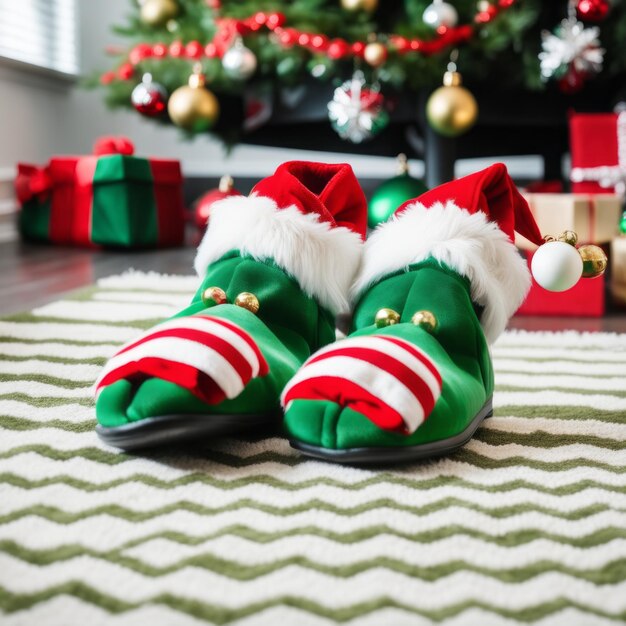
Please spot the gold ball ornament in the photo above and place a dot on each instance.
(193, 107)
(214, 295)
(451, 110)
(594, 261)
(569, 236)
(158, 12)
(375, 54)
(369, 6)
(425, 320)
(386, 317)
(247, 300)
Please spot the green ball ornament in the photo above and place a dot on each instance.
(622, 224)
(392, 193)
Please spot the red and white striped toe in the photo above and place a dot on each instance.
(387, 379)
(211, 357)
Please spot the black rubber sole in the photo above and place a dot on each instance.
(169, 429)
(400, 454)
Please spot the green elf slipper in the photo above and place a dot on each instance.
(277, 268)
(438, 284)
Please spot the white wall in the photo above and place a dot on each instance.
(40, 117)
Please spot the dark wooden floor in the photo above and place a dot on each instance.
(32, 275)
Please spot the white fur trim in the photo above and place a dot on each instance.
(468, 243)
(324, 259)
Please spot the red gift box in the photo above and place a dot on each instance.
(53, 185)
(585, 299)
(110, 198)
(598, 147)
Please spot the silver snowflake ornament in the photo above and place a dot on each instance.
(572, 47)
(357, 111)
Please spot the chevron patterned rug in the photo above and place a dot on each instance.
(526, 524)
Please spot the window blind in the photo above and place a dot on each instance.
(40, 33)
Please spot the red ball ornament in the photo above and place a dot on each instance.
(148, 97)
(125, 71)
(592, 10)
(202, 209)
(319, 42)
(288, 37)
(107, 78)
(304, 39)
(275, 20)
(177, 49)
(193, 50)
(159, 50)
(338, 48)
(140, 52)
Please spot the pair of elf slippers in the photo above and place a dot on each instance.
(429, 291)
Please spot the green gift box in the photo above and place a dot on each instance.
(126, 201)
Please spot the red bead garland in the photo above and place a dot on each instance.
(338, 48)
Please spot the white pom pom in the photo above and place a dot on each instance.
(440, 14)
(557, 266)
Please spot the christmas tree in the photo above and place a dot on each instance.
(212, 66)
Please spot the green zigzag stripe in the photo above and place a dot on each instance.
(236, 462)
(10, 603)
(542, 439)
(68, 342)
(59, 516)
(560, 412)
(21, 423)
(229, 460)
(97, 455)
(270, 481)
(53, 360)
(474, 458)
(45, 402)
(538, 439)
(610, 573)
(29, 318)
(614, 393)
(61, 383)
(510, 540)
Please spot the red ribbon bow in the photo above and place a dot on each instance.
(113, 145)
(32, 181)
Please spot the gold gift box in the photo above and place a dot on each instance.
(594, 217)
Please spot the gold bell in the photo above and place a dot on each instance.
(386, 317)
(594, 260)
(247, 300)
(214, 295)
(425, 320)
(569, 236)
